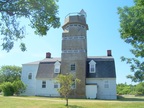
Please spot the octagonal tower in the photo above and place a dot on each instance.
(74, 49)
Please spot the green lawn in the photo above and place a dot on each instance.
(44, 102)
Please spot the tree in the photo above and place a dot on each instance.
(42, 15)
(10, 73)
(131, 31)
(66, 82)
(123, 89)
(140, 89)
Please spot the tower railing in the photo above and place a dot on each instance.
(75, 13)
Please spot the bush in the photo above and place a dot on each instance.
(7, 88)
(19, 87)
(123, 89)
(0, 90)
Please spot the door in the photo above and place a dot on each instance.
(91, 91)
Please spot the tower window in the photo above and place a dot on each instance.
(43, 84)
(73, 85)
(72, 67)
(92, 66)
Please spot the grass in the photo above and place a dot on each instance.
(44, 102)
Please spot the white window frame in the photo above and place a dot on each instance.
(56, 85)
(73, 86)
(92, 66)
(43, 84)
(30, 76)
(106, 84)
(72, 67)
(57, 67)
(57, 70)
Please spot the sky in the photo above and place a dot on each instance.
(103, 35)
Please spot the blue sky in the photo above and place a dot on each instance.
(103, 34)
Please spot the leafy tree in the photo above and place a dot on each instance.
(123, 89)
(137, 67)
(66, 82)
(131, 30)
(10, 73)
(42, 15)
(140, 88)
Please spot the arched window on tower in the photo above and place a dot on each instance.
(92, 66)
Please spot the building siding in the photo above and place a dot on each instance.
(49, 90)
(102, 92)
(30, 83)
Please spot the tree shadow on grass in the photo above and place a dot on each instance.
(122, 98)
(74, 106)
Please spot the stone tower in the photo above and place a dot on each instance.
(74, 49)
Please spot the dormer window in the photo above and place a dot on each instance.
(92, 66)
(57, 67)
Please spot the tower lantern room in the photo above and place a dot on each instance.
(77, 18)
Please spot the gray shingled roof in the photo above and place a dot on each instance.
(46, 60)
(105, 67)
(46, 68)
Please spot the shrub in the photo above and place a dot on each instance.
(7, 88)
(19, 87)
(0, 89)
(123, 89)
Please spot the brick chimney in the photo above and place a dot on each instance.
(48, 55)
(109, 53)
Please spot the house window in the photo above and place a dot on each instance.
(43, 84)
(57, 70)
(106, 84)
(92, 66)
(30, 76)
(57, 67)
(72, 67)
(55, 85)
